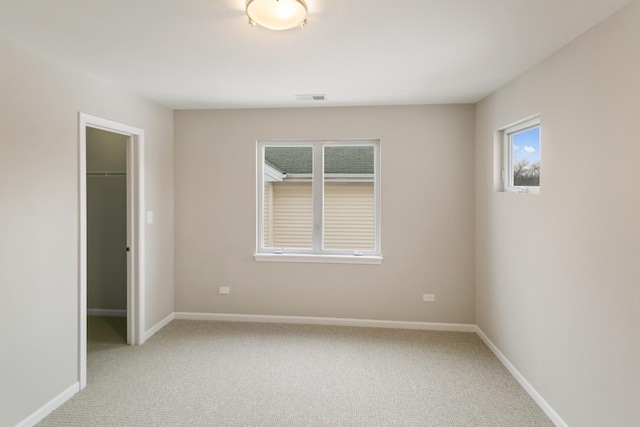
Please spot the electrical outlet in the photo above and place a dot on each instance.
(224, 290)
(429, 297)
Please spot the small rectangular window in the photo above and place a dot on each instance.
(318, 197)
(521, 171)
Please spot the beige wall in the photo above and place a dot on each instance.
(427, 241)
(39, 109)
(106, 221)
(558, 276)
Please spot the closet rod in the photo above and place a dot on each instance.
(107, 173)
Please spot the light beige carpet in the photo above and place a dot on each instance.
(196, 373)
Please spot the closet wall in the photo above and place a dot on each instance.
(106, 221)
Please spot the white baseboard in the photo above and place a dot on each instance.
(553, 415)
(328, 321)
(106, 312)
(49, 407)
(161, 324)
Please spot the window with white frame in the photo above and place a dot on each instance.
(521, 171)
(319, 198)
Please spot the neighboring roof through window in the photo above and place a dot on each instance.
(338, 160)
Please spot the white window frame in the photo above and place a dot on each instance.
(507, 169)
(317, 253)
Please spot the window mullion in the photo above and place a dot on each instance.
(318, 191)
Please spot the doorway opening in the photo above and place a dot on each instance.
(106, 235)
(121, 176)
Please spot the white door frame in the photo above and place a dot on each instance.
(135, 233)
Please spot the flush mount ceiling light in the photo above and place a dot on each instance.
(277, 14)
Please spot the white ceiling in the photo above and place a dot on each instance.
(203, 54)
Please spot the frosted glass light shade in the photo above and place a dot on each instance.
(277, 14)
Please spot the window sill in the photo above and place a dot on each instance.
(522, 190)
(314, 258)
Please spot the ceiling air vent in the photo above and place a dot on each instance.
(311, 97)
